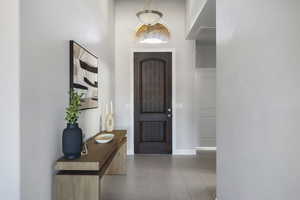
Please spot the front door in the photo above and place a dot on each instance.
(153, 102)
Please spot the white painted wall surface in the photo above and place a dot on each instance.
(193, 9)
(46, 28)
(205, 106)
(258, 99)
(126, 25)
(9, 101)
(205, 95)
(201, 20)
(205, 55)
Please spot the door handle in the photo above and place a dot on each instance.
(169, 110)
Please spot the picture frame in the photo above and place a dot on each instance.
(84, 68)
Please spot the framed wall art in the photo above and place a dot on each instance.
(84, 75)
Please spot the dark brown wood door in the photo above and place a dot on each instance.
(153, 102)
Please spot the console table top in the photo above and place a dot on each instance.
(99, 155)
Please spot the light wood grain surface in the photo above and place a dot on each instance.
(97, 156)
(81, 187)
(118, 164)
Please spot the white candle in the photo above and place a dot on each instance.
(106, 109)
(111, 107)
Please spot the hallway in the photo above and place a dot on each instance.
(152, 177)
(235, 87)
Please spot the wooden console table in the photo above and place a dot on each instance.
(80, 179)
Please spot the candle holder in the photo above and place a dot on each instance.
(109, 118)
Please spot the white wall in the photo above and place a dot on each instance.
(205, 95)
(193, 9)
(258, 99)
(46, 28)
(205, 55)
(126, 24)
(9, 101)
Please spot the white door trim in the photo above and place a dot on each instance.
(172, 50)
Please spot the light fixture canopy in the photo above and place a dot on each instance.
(149, 17)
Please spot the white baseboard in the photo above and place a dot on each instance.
(206, 148)
(130, 152)
(184, 152)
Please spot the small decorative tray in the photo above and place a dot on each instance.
(104, 138)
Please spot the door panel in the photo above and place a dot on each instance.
(153, 86)
(153, 101)
(153, 131)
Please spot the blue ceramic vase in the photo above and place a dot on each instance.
(72, 141)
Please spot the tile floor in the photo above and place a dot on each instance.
(159, 177)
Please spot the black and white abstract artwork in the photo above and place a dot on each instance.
(84, 75)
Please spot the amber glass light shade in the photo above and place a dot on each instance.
(153, 34)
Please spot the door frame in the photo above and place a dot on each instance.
(131, 109)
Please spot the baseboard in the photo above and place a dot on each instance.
(130, 152)
(206, 148)
(184, 152)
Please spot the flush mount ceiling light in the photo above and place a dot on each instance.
(149, 16)
(151, 31)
